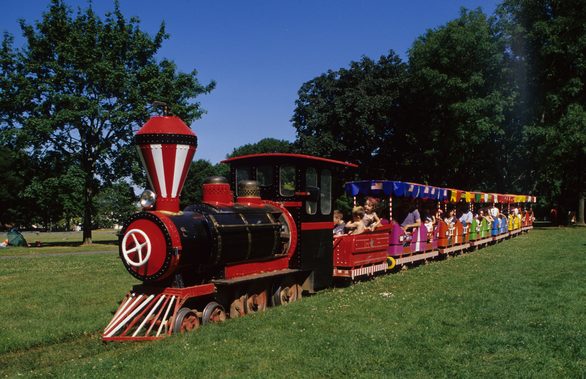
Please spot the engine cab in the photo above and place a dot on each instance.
(306, 186)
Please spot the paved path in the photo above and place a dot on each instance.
(45, 255)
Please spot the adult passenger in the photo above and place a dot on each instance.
(413, 219)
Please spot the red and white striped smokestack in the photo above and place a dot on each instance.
(166, 147)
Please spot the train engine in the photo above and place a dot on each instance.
(227, 256)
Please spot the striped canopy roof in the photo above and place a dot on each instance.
(423, 191)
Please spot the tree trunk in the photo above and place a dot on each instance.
(580, 213)
(87, 204)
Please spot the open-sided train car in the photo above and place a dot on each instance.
(423, 243)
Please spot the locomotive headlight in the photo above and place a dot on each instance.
(147, 199)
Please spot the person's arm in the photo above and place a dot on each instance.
(414, 225)
(376, 222)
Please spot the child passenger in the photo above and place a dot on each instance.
(370, 219)
(339, 223)
(356, 226)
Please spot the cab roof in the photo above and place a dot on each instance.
(285, 156)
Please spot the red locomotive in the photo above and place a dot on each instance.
(233, 254)
(223, 256)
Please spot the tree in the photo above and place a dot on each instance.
(15, 167)
(85, 85)
(56, 190)
(457, 105)
(353, 114)
(547, 43)
(265, 145)
(114, 203)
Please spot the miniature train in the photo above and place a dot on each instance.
(267, 243)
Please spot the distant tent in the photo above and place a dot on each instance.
(15, 238)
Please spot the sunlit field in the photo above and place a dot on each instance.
(42, 243)
(513, 309)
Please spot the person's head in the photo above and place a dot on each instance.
(357, 213)
(370, 204)
(338, 216)
(413, 206)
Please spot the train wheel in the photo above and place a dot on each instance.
(391, 262)
(287, 294)
(237, 308)
(185, 321)
(213, 313)
(256, 302)
(298, 291)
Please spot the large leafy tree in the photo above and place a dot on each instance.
(457, 105)
(83, 85)
(55, 191)
(547, 43)
(352, 114)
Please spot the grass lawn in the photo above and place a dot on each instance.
(514, 309)
(63, 242)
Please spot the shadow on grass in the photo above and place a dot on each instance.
(70, 243)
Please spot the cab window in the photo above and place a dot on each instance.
(242, 173)
(326, 192)
(311, 181)
(264, 176)
(287, 180)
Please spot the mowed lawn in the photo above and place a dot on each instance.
(514, 309)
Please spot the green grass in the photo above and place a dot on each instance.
(514, 309)
(63, 242)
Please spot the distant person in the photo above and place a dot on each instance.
(553, 216)
(339, 223)
(572, 217)
(371, 219)
(356, 226)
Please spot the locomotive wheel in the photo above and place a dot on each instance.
(185, 321)
(237, 308)
(213, 313)
(256, 302)
(286, 294)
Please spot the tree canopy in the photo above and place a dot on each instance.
(82, 86)
(352, 114)
(265, 145)
(457, 102)
(547, 44)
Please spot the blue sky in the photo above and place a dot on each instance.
(261, 52)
